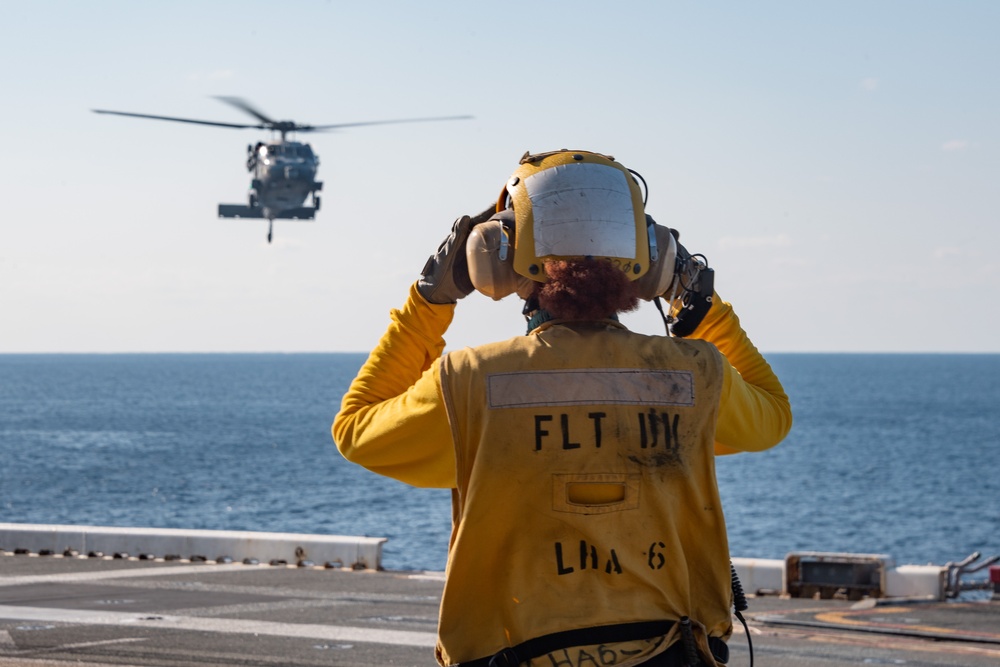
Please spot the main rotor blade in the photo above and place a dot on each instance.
(246, 107)
(311, 128)
(179, 120)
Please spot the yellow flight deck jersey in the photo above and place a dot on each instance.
(581, 458)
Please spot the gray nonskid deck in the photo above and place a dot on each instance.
(56, 611)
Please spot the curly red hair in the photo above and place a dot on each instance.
(586, 289)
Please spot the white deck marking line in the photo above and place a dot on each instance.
(124, 574)
(19, 661)
(156, 621)
(69, 647)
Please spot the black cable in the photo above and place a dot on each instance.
(739, 597)
(659, 307)
(746, 629)
(740, 605)
(645, 188)
(683, 270)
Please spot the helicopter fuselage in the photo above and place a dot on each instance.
(284, 175)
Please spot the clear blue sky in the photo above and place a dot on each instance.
(837, 162)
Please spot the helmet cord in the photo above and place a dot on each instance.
(645, 188)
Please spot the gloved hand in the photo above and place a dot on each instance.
(484, 215)
(445, 276)
(688, 268)
(690, 295)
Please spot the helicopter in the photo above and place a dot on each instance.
(284, 171)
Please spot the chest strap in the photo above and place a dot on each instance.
(556, 641)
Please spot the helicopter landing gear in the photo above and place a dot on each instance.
(315, 201)
(270, 228)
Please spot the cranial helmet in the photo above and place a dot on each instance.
(568, 205)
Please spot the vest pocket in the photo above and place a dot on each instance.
(595, 493)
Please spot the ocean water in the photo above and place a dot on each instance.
(895, 454)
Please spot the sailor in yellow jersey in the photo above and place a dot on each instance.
(587, 525)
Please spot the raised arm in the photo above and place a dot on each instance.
(754, 413)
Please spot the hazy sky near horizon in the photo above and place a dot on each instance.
(837, 162)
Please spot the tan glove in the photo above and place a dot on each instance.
(445, 276)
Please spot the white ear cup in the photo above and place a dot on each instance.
(657, 280)
(490, 254)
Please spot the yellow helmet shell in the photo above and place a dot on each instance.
(573, 204)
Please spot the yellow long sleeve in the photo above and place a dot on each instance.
(392, 419)
(755, 413)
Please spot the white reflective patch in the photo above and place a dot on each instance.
(582, 209)
(607, 386)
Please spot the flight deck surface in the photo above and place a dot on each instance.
(97, 612)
